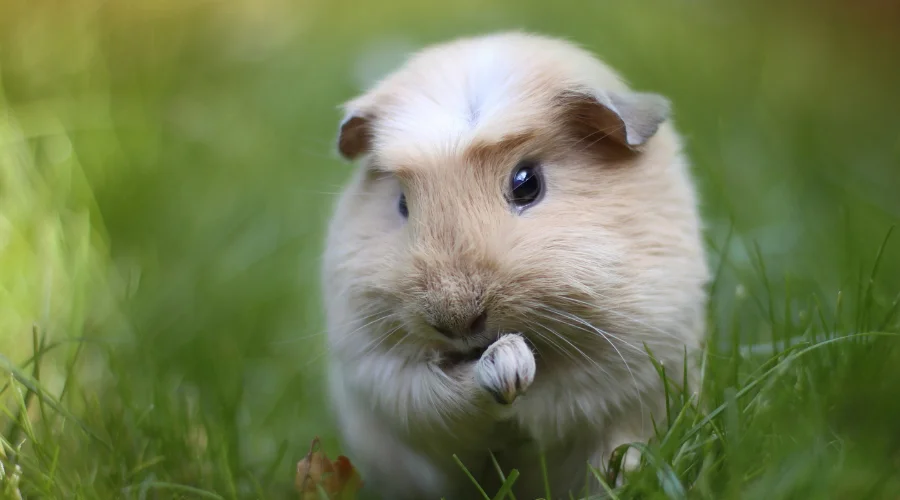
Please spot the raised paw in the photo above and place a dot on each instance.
(506, 369)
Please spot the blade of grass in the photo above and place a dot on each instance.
(720, 269)
(506, 489)
(788, 322)
(760, 264)
(31, 385)
(685, 379)
(43, 351)
(227, 472)
(545, 476)
(678, 419)
(667, 477)
(146, 464)
(51, 474)
(779, 366)
(471, 477)
(889, 316)
(70, 370)
(609, 491)
(500, 472)
(22, 425)
(17, 424)
(870, 284)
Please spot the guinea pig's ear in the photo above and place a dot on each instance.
(628, 118)
(355, 135)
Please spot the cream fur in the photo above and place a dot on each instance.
(609, 260)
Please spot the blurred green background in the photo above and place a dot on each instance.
(167, 168)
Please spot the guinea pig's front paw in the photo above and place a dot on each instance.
(506, 369)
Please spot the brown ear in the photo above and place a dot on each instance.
(355, 135)
(628, 119)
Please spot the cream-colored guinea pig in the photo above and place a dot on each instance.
(520, 225)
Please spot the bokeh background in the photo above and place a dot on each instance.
(167, 169)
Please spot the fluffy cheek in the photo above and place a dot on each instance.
(564, 273)
(361, 269)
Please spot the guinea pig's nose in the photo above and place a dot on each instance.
(473, 327)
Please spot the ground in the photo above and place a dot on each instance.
(167, 168)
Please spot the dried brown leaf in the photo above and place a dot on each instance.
(338, 479)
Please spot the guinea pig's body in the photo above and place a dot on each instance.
(520, 227)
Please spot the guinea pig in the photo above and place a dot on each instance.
(520, 230)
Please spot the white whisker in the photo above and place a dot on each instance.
(605, 336)
(383, 316)
(583, 354)
(619, 314)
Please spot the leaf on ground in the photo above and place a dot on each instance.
(338, 478)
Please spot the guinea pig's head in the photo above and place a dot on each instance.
(514, 183)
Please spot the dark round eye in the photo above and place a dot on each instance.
(526, 184)
(404, 210)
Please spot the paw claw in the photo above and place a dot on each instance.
(506, 369)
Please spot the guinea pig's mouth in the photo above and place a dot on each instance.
(475, 344)
(458, 357)
(467, 348)
(471, 349)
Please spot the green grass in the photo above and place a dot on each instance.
(166, 171)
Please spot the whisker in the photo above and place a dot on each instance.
(603, 334)
(371, 348)
(398, 342)
(321, 333)
(583, 354)
(590, 328)
(352, 336)
(549, 341)
(620, 314)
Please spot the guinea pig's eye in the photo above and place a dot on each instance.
(526, 185)
(404, 210)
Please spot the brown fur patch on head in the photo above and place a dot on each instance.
(489, 152)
